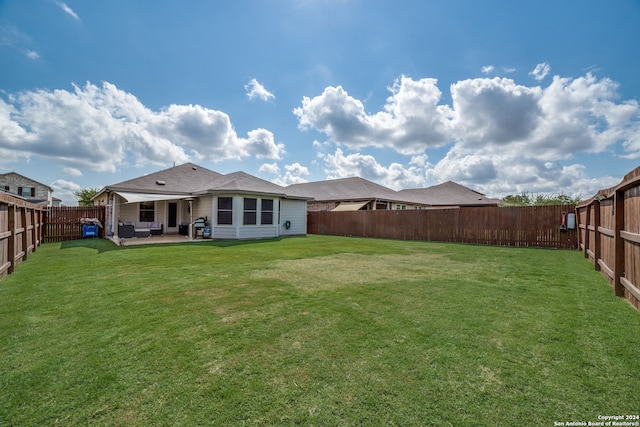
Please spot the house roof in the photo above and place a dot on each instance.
(346, 189)
(448, 194)
(190, 179)
(241, 182)
(180, 179)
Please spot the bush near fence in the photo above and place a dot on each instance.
(609, 225)
(529, 226)
(21, 231)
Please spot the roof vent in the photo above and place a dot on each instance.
(194, 168)
(160, 182)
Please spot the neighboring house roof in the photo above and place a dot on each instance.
(448, 194)
(2, 175)
(346, 189)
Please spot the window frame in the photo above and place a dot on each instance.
(225, 212)
(268, 212)
(147, 211)
(250, 211)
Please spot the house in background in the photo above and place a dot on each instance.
(352, 194)
(235, 206)
(28, 189)
(448, 194)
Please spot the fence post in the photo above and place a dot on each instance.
(11, 250)
(25, 233)
(596, 235)
(618, 269)
(587, 222)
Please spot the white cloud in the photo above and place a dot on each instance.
(102, 128)
(493, 111)
(13, 38)
(256, 90)
(294, 174)
(510, 173)
(297, 169)
(541, 71)
(64, 190)
(270, 168)
(500, 134)
(67, 9)
(32, 54)
(72, 171)
(487, 69)
(411, 121)
(394, 176)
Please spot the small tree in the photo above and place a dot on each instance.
(85, 195)
(525, 199)
(518, 199)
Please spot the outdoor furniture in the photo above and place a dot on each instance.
(142, 232)
(140, 229)
(127, 231)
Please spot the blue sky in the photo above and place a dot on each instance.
(500, 96)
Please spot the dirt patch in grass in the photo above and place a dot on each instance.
(348, 269)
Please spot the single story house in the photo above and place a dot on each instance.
(350, 194)
(233, 206)
(448, 194)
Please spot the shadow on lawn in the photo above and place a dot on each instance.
(106, 245)
(101, 245)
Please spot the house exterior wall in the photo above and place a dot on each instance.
(294, 211)
(102, 200)
(127, 211)
(202, 208)
(238, 230)
(27, 188)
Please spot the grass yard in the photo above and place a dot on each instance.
(325, 331)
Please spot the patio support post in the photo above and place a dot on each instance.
(190, 219)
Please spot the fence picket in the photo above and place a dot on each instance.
(537, 226)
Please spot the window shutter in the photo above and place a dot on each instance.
(19, 191)
(33, 192)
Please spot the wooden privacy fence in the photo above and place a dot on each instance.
(63, 223)
(609, 225)
(534, 226)
(21, 230)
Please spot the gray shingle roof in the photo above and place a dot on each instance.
(241, 182)
(178, 179)
(448, 194)
(191, 179)
(346, 189)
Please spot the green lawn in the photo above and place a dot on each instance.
(320, 330)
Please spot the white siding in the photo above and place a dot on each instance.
(224, 232)
(294, 211)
